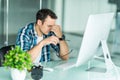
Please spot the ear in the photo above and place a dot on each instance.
(39, 22)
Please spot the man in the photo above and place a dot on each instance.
(36, 38)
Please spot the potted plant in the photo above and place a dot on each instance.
(19, 62)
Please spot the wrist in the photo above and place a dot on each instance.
(62, 38)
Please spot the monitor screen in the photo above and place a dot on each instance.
(97, 29)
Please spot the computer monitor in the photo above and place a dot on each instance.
(97, 29)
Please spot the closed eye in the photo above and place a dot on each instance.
(50, 26)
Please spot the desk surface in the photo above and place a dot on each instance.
(76, 73)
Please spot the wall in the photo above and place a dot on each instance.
(77, 12)
(20, 13)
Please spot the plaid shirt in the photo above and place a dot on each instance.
(27, 39)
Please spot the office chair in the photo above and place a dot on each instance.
(3, 51)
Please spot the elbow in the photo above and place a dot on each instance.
(65, 57)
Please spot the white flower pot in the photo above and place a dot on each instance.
(17, 74)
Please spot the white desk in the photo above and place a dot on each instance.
(76, 73)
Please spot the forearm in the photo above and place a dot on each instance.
(64, 50)
(34, 52)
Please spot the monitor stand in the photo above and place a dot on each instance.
(111, 68)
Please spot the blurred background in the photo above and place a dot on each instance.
(72, 16)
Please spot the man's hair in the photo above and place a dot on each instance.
(43, 13)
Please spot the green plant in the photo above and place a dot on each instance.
(17, 58)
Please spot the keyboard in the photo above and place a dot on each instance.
(65, 65)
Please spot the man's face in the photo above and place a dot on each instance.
(47, 25)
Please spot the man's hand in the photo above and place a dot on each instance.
(57, 30)
(50, 40)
